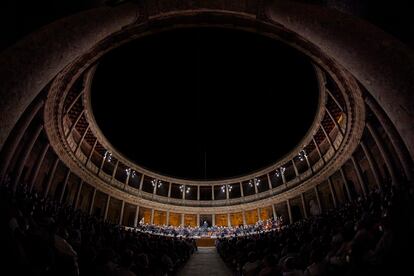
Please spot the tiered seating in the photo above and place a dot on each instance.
(40, 237)
(372, 236)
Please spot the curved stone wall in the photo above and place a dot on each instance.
(43, 142)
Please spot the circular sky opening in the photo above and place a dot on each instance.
(204, 103)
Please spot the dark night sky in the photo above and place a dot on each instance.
(204, 103)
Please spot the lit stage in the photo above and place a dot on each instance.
(205, 242)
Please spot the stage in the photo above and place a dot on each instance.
(206, 242)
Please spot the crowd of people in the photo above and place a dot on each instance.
(213, 231)
(38, 236)
(371, 236)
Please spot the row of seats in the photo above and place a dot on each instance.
(38, 236)
(371, 236)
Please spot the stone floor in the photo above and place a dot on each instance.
(205, 262)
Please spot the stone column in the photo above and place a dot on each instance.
(91, 152)
(318, 200)
(319, 151)
(308, 163)
(333, 120)
(152, 215)
(51, 176)
(72, 127)
(107, 207)
(25, 155)
(372, 164)
(394, 137)
(334, 98)
(289, 211)
(244, 217)
(141, 182)
(128, 177)
(92, 201)
(269, 181)
(73, 103)
(121, 215)
(359, 175)
(328, 137)
(228, 220)
(14, 139)
(39, 163)
(305, 212)
(169, 189)
(168, 218)
(114, 171)
(348, 193)
(154, 190)
(384, 153)
(136, 216)
(295, 168)
(78, 192)
(65, 184)
(241, 190)
(81, 140)
(282, 174)
(227, 192)
(332, 192)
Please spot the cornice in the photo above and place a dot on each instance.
(347, 84)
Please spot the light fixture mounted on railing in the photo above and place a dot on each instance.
(255, 182)
(302, 155)
(108, 156)
(185, 189)
(156, 182)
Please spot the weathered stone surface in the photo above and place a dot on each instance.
(29, 65)
(381, 63)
